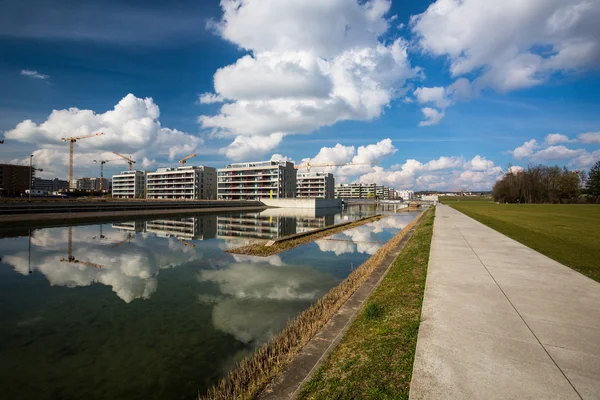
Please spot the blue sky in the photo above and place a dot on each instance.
(300, 78)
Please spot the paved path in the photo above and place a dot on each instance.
(502, 321)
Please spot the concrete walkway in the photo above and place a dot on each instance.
(502, 321)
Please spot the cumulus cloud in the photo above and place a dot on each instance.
(585, 159)
(131, 127)
(33, 74)
(251, 146)
(433, 95)
(280, 157)
(445, 173)
(555, 138)
(554, 153)
(525, 150)
(531, 40)
(309, 65)
(209, 98)
(589, 137)
(432, 116)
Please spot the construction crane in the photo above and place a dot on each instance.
(72, 141)
(71, 259)
(308, 166)
(102, 162)
(128, 159)
(184, 159)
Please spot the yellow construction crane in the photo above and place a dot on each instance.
(128, 159)
(184, 159)
(71, 141)
(308, 166)
(72, 259)
(102, 162)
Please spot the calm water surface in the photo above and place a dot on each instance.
(156, 309)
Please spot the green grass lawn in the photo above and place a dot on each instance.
(374, 359)
(567, 233)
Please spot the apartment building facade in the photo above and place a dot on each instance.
(129, 185)
(188, 183)
(253, 180)
(50, 185)
(406, 195)
(364, 191)
(319, 185)
(14, 179)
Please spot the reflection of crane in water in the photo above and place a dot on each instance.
(127, 239)
(185, 242)
(72, 259)
(101, 235)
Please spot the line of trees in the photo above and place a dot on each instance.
(544, 184)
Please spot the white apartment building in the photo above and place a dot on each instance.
(406, 195)
(356, 191)
(129, 185)
(190, 183)
(319, 185)
(253, 180)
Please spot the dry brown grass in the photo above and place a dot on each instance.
(252, 374)
(259, 248)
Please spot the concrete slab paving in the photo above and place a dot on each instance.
(502, 321)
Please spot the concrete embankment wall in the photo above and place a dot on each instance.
(68, 209)
(302, 203)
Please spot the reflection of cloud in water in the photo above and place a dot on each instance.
(363, 238)
(257, 300)
(272, 260)
(339, 247)
(130, 270)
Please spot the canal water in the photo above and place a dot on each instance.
(155, 309)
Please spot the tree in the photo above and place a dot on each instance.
(593, 181)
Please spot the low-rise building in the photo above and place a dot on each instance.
(189, 183)
(129, 185)
(50, 185)
(319, 185)
(253, 180)
(406, 195)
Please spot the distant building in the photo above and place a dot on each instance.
(85, 183)
(363, 191)
(406, 195)
(129, 185)
(14, 179)
(95, 183)
(50, 185)
(252, 180)
(320, 185)
(190, 183)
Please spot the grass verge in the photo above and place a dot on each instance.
(252, 374)
(259, 248)
(567, 233)
(374, 359)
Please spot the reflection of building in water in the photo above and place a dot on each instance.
(255, 225)
(130, 226)
(196, 228)
(306, 224)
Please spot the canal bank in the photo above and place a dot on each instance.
(48, 211)
(253, 375)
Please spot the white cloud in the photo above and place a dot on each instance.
(555, 153)
(132, 127)
(432, 116)
(445, 173)
(531, 40)
(244, 147)
(280, 157)
(585, 159)
(310, 65)
(514, 169)
(589, 137)
(433, 95)
(209, 98)
(33, 74)
(525, 150)
(555, 138)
